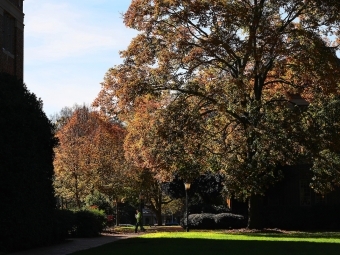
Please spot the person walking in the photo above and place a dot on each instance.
(138, 220)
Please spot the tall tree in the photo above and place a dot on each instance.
(89, 156)
(233, 67)
(71, 159)
(142, 147)
(150, 187)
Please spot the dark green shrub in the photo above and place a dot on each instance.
(65, 220)
(229, 221)
(89, 222)
(26, 169)
(202, 221)
(215, 221)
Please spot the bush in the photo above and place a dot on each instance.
(214, 221)
(202, 221)
(230, 221)
(65, 220)
(89, 223)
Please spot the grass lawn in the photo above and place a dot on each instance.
(218, 242)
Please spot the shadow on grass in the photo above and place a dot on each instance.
(177, 246)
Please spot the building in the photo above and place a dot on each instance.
(12, 37)
(293, 204)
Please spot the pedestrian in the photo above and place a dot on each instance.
(138, 218)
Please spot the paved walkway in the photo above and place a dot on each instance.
(73, 245)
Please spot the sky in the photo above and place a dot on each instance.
(69, 46)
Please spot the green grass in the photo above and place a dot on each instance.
(216, 243)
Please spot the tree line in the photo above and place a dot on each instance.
(238, 88)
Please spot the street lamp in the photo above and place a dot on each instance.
(187, 187)
(141, 206)
(117, 200)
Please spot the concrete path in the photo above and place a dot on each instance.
(73, 245)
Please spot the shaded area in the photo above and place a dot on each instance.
(27, 215)
(71, 245)
(171, 246)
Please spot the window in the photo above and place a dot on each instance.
(9, 33)
(305, 193)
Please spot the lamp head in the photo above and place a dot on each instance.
(187, 185)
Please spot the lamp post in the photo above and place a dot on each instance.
(187, 187)
(117, 201)
(141, 206)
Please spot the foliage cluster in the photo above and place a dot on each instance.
(26, 169)
(91, 168)
(99, 200)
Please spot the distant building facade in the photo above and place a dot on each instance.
(293, 204)
(12, 37)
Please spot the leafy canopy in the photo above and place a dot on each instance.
(227, 75)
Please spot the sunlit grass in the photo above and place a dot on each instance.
(221, 242)
(311, 237)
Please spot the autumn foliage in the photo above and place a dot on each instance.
(89, 156)
(222, 76)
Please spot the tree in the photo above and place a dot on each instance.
(231, 66)
(143, 182)
(62, 118)
(89, 156)
(26, 169)
(72, 157)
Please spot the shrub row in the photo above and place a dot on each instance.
(214, 221)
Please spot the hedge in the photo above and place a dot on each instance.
(214, 221)
(26, 169)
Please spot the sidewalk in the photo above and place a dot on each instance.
(73, 245)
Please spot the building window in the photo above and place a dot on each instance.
(8, 33)
(305, 193)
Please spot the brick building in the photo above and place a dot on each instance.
(12, 37)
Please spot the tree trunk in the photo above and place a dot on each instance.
(156, 208)
(159, 217)
(255, 203)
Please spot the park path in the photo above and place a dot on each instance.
(73, 245)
